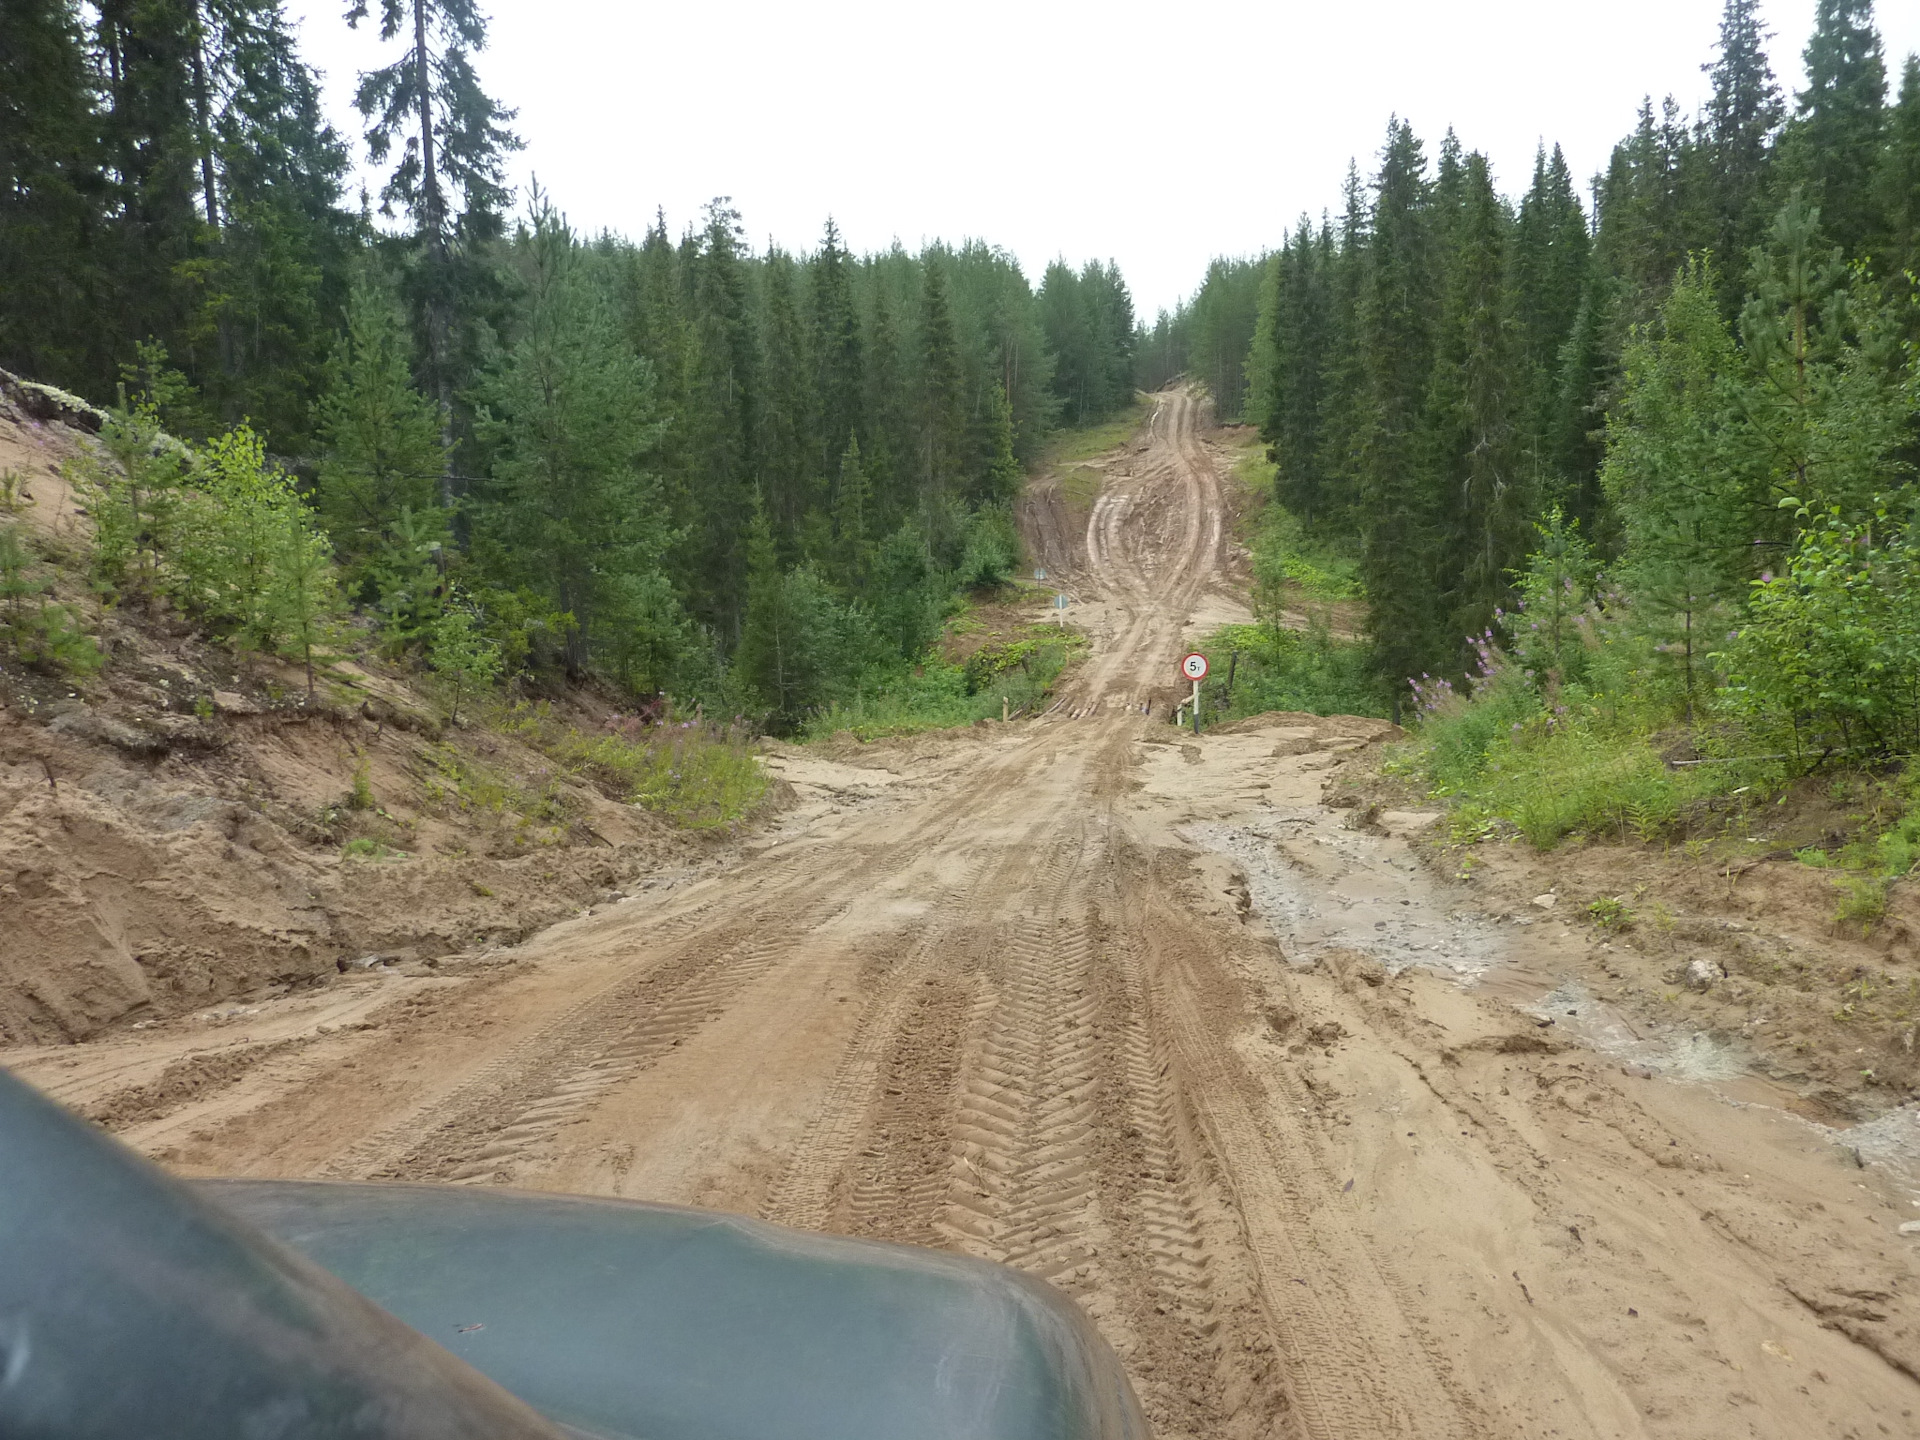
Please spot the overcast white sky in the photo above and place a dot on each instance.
(1156, 135)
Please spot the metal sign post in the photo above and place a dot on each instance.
(1192, 667)
(1060, 610)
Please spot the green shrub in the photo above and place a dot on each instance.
(34, 627)
(1863, 901)
(1457, 735)
(1280, 669)
(1829, 657)
(360, 797)
(697, 775)
(1610, 913)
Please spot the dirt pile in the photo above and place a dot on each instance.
(181, 830)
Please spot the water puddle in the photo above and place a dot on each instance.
(1322, 887)
(1669, 1052)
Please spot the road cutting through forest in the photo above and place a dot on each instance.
(1138, 1014)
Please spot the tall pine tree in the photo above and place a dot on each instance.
(1400, 523)
(1834, 141)
(452, 141)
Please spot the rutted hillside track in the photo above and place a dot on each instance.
(1001, 1005)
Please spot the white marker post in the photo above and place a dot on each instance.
(1060, 610)
(1194, 667)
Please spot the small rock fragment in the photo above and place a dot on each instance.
(1546, 901)
(1700, 975)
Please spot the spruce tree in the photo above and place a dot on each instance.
(838, 358)
(1550, 275)
(1067, 322)
(852, 503)
(272, 172)
(452, 141)
(889, 452)
(788, 456)
(301, 602)
(53, 202)
(1343, 408)
(1572, 436)
(1111, 306)
(568, 410)
(1400, 520)
(1839, 119)
(722, 418)
(1222, 318)
(1897, 182)
(942, 418)
(1811, 387)
(156, 228)
(1680, 479)
(1745, 111)
(1001, 474)
(384, 453)
(1483, 494)
(788, 652)
(1263, 352)
(1302, 351)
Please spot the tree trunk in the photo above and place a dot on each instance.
(433, 222)
(203, 107)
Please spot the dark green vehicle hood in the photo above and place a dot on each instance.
(133, 1305)
(648, 1322)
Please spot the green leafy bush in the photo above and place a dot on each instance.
(1828, 661)
(900, 700)
(1281, 669)
(37, 629)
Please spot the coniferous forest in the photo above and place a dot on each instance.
(675, 462)
(1635, 450)
(1640, 442)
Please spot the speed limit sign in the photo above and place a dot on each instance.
(1194, 666)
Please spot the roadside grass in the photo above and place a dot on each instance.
(1068, 447)
(1884, 846)
(1253, 472)
(1579, 768)
(695, 774)
(1014, 673)
(1081, 485)
(1067, 452)
(1256, 668)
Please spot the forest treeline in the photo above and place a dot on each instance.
(676, 461)
(1626, 478)
(1723, 322)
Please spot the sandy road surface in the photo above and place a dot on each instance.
(1129, 1013)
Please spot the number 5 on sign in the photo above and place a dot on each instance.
(1194, 667)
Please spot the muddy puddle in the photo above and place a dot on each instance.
(1673, 1052)
(1322, 887)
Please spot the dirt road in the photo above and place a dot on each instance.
(1134, 1014)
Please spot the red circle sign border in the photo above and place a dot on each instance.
(1193, 655)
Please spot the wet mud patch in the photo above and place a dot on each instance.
(1321, 887)
(1673, 1052)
